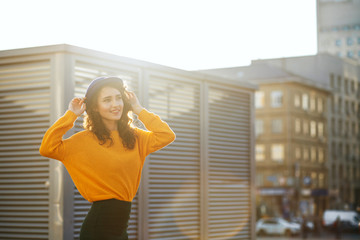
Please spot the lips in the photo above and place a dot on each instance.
(115, 111)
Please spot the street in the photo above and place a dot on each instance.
(324, 235)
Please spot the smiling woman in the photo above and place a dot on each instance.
(105, 161)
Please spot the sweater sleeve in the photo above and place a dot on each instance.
(159, 133)
(52, 145)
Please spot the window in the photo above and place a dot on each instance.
(313, 154)
(276, 99)
(314, 178)
(312, 104)
(321, 180)
(305, 101)
(340, 150)
(305, 153)
(339, 82)
(313, 128)
(358, 40)
(260, 152)
(333, 149)
(353, 129)
(339, 107)
(338, 42)
(259, 127)
(334, 104)
(347, 108)
(305, 127)
(259, 99)
(259, 179)
(346, 130)
(297, 125)
(297, 153)
(277, 152)
(321, 155)
(320, 105)
(350, 54)
(297, 100)
(332, 81)
(340, 127)
(352, 86)
(346, 85)
(276, 126)
(349, 41)
(321, 129)
(333, 127)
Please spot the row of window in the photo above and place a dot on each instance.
(276, 126)
(342, 128)
(349, 86)
(305, 101)
(351, 173)
(302, 153)
(345, 151)
(349, 54)
(313, 179)
(344, 106)
(350, 41)
(306, 127)
(277, 152)
(340, 28)
(275, 101)
(312, 154)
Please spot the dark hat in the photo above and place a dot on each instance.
(99, 82)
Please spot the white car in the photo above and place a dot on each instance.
(277, 226)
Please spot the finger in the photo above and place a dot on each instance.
(128, 94)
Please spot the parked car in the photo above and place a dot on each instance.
(349, 220)
(309, 223)
(276, 226)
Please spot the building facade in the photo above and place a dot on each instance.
(342, 76)
(291, 149)
(199, 187)
(338, 27)
(314, 158)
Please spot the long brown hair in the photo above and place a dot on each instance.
(94, 123)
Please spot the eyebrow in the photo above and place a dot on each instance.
(117, 95)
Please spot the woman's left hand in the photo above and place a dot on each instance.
(134, 101)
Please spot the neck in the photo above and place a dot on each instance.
(111, 125)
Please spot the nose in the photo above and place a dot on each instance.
(117, 102)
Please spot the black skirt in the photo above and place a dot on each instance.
(106, 220)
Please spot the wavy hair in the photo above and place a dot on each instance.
(93, 121)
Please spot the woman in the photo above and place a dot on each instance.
(106, 159)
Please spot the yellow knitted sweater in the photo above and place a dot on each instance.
(101, 171)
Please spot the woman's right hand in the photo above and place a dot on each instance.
(77, 106)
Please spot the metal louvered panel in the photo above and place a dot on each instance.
(174, 172)
(24, 174)
(229, 156)
(84, 73)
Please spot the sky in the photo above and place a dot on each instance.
(184, 34)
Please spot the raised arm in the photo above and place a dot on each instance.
(52, 144)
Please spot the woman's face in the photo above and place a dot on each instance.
(110, 105)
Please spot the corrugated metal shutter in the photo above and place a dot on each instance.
(229, 138)
(24, 174)
(84, 73)
(174, 172)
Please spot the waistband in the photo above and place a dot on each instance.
(113, 201)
